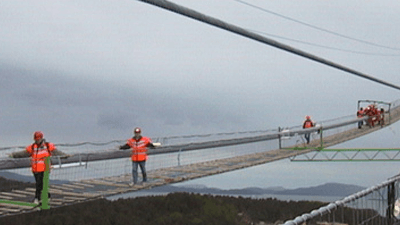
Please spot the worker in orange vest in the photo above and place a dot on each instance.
(370, 112)
(308, 123)
(38, 151)
(360, 114)
(139, 146)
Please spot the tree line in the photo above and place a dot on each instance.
(172, 209)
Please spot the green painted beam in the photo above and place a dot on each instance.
(45, 200)
(18, 203)
(346, 160)
(344, 149)
(45, 191)
(358, 149)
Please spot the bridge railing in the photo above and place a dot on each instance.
(201, 141)
(376, 205)
(111, 162)
(294, 136)
(88, 152)
(96, 160)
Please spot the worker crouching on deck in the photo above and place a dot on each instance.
(308, 123)
(139, 146)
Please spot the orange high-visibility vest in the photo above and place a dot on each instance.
(38, 155)
(360, 113)
(139, 148)
(308, 124)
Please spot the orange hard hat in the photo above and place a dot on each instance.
(137, 130)
(38, 135)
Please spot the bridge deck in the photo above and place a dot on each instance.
(84, 190)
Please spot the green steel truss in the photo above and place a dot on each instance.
(348, 155)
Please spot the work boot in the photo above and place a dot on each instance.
(144, 178)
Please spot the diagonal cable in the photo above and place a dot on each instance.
(315, 27)
(326, 47)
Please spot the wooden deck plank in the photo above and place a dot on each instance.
(66, 193)
(5, 197)
(12, 210)
(62, 192)
(74, 198)
(73, 186)
(13, 194)
(24, 192)
(83, 184)
(102, 182)
(115, 179)
(61, 187)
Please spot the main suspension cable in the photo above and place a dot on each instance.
(240, 31)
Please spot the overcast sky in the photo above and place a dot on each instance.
(93, 70)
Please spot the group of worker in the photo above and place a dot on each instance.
(41, 149)
(374, 114)
(139, 145)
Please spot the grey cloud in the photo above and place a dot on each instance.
(116, 121)
(83, 69)
(61, 103)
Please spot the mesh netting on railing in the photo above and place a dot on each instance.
(375, 205)
(95, 147)
(96, 160)
(99, 169)
(84, 165)
(298, 140)
(116, 167)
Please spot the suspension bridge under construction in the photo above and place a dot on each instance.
(89, 171)
(97, 170)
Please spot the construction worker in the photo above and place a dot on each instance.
(139, 146)
(38, 151)
(382, 117)
(370, 112)
(308, 123)
(360, 114)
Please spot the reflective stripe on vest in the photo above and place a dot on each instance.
(38, 155)
(308, 124)
(360, 113)
(139, 148)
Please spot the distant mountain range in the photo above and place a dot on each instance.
(328, 189)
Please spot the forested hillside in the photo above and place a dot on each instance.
(173, 209)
